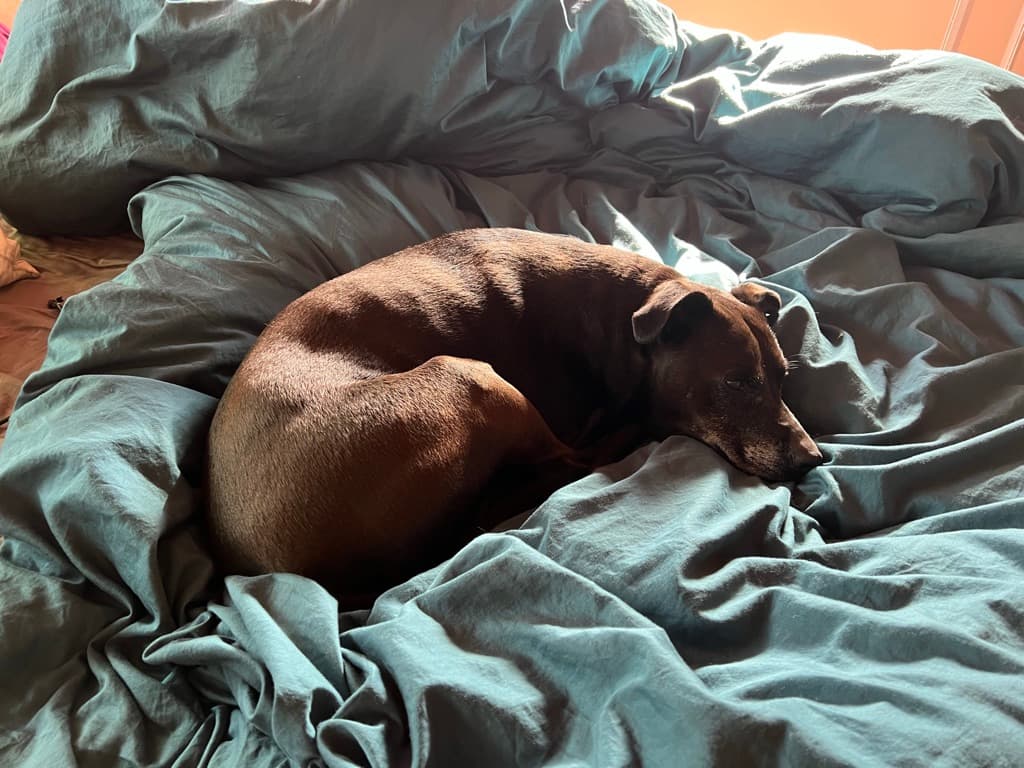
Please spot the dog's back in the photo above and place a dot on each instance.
(338, 416)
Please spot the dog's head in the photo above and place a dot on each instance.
(717, 372)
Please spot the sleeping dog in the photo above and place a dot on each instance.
(384, 418)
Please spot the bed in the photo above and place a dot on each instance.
(665, 610)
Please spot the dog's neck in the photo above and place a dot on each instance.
(596, 328)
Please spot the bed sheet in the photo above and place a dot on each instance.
(664, 610)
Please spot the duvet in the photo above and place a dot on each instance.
(664, 611)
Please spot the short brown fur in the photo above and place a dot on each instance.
(388, 415)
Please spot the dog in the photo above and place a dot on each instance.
(387, 416)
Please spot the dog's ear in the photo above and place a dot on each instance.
(764, 300)
(670, 313)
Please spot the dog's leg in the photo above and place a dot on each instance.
(614, 446)
(517, 488)
(533, 462)
(475, 451)
(393, 471)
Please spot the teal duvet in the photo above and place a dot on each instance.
(664, 611)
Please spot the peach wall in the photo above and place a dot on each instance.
(7, 9)
(989, 29)
(879, 23)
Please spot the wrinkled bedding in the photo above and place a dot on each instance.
(666, 610)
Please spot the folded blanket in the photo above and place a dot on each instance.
(243, 91)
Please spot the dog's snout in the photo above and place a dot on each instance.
(805, 453)
(803, 469)
(806, 450)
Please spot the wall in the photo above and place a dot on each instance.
(7, 9)
(989, 28)
(878, 23)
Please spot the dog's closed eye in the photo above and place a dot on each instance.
(745, 383)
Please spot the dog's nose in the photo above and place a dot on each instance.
(805, 453)
(803, 469)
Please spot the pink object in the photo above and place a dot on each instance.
(4, 34)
